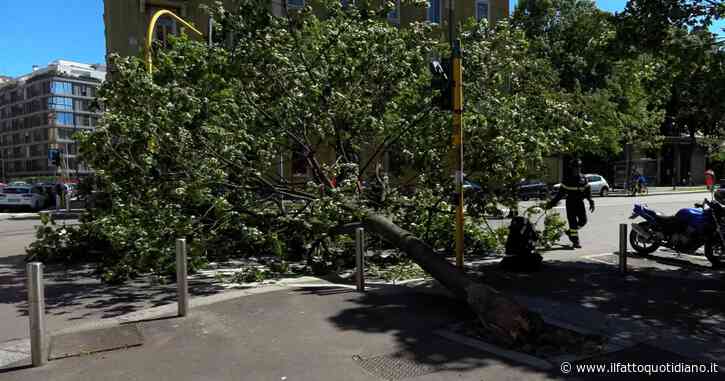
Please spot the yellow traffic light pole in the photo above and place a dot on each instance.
(457, 71)
(150, 33)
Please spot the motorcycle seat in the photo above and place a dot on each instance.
(667, 221)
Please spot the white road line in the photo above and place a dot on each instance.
(600, 261)
(598, 255)
(594, 257)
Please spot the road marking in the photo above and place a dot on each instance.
(601, 261)
(594, 257)
(676, 254)
(598, 255)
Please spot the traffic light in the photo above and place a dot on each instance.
(442, 81)
(54, 157)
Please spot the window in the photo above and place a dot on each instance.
(481, 10)
(64, 118)
(295, 4)
(434, 11)
(394, 14)
(83, 120)
(37, 150)
(62, 88)
(299, 164)
(60, 103)
(66, 133)
(82, 105)
(165, 27)
(80, 90)
(40, 135)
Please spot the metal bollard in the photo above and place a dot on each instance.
(623, 248)
(182, 285)
(36, 311)
(360, 259)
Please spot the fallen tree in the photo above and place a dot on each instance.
(193, 148)
(507, 319)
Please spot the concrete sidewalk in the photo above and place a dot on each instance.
(330, 332)
(313, 332)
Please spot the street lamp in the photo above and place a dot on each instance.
(150, 33)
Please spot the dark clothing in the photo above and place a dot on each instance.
(576, 214)
(576, 189)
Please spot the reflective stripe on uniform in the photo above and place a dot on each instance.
(580, 189)
(573, 232)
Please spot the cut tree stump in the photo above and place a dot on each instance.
(503, 316)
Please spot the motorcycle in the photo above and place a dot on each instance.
(685, 232)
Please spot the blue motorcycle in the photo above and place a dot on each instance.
(685, 232)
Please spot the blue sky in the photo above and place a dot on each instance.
(39, 31)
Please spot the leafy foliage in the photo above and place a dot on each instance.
(191, 150)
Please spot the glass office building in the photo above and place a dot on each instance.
(42, 111)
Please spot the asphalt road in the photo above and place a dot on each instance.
(74, 295)
(14, 237)
(600, 235)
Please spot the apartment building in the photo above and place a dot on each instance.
(126, 21)
(41, 111)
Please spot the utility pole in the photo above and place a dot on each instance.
(458, 144)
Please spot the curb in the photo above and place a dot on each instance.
(35, 216)
(665, 193)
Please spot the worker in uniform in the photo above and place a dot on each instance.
(576, 189)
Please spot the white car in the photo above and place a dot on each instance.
(598, 183)
(22, 197)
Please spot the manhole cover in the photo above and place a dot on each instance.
(98, 340)
(395, 366)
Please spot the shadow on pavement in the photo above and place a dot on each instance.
(645, 302)
(74, 293)
(411, 317)
(677, 261)
(651, 295)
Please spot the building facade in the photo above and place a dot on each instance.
(126, 21)
(41, 111)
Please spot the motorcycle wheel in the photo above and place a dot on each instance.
(715, 252)
(641, 245)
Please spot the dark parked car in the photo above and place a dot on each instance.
(529, 189)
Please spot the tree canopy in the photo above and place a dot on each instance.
(192, 149)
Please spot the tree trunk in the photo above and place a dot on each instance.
(511, 322)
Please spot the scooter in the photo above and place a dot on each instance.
(685, 232)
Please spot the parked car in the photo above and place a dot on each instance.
(598, 183)
(22, 197)
(528, 189)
